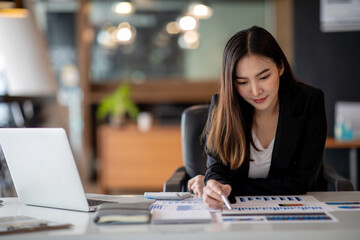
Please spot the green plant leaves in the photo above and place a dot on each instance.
(118, 103)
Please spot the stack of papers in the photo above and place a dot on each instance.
(181, 217)
(167, 195)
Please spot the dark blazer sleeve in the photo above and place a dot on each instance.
(298, 148)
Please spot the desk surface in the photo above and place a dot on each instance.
(348, 226)
(333, 143)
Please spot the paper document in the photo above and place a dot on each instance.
(344, 206)
(171, 217)
(278, 217)
(191, 210)
(167, 195)
(277, 204)
(181, 205)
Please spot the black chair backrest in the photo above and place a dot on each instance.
(193, 120)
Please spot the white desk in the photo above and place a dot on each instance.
(348, 226)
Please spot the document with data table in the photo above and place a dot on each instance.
(295, 208)
(256, 209)
(190, 210)
(277, 204)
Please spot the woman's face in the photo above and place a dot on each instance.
(257, 81)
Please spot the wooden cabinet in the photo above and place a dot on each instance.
(137, 161)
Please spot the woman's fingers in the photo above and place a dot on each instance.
(215, 187)
(198, 190)
(226, 188)
(191, 183)
(196, 184)
(211, 198)
(212, 195)
(212, 203)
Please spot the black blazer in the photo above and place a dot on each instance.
(298, 148)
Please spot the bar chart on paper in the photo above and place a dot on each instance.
(180, 205)
(279, 217)
(277, 204)
(191, 210)
(277, 209)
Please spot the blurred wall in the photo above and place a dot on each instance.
(228, 18)
(329, 61)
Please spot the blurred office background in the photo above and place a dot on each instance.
(169, 52)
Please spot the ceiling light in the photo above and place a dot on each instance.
(173, 28)
(200, 10)
(124, 7)
(125, 33)
(188, 23)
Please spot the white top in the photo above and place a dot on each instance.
(259, 168)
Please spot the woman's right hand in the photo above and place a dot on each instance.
(196, 184)
(212, 193)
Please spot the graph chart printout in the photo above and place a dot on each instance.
(277, 204)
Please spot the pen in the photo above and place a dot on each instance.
(225, 200)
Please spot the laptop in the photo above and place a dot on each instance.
(43, 168)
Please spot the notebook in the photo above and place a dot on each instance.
(123, 213)
(43, 168)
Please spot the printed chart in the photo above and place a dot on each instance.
(344, 206)
(278, 217)
(190, 210)
(277, 209)
(179, 205)
(255, 209)
(277, 204)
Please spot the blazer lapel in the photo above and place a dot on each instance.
(287, 133)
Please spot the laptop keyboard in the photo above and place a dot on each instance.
(96, 202)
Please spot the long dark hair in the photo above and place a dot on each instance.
(229, 131)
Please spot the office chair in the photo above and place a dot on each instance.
(193, 120)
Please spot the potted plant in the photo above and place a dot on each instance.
(117, 106)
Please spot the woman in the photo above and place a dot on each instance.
(266, 131)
